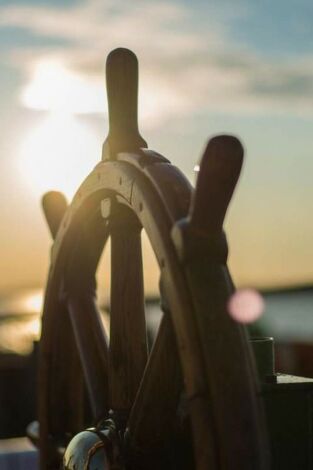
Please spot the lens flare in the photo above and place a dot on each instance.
(246, 306)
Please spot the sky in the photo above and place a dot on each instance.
(206, 67)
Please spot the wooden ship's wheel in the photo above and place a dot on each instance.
(192, 402)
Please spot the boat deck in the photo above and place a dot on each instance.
(18, 454)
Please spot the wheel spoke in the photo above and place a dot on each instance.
(60, 385)
(54, 206)
(80, 293)
(128, 343)
(93, 350)
(154, 416)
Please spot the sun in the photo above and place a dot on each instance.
(58, 154)
(61, 150)
(54, 87)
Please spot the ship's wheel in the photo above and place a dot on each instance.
(192, 402)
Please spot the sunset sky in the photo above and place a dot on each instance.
(243, 67)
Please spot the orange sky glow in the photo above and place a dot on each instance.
(195, 81)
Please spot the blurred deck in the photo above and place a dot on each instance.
(18, 454)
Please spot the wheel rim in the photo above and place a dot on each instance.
(198, 348)
(142, 192)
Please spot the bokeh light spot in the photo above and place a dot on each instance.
(246, 306)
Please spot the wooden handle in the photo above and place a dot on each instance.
(219, 172)
(54, 206)
(122, 93)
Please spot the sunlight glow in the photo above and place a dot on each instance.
(58, 154)
(34, 302)
(18, 336)
(157, 103)
(53, 87)
(246, 305)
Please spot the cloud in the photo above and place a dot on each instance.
(188, 65)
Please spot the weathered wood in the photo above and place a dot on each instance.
(59, 364)
(219, 172)
(142, 194)
(154, 419)
(122, 92)
(128, 343)
(215, 367)
(54, 205)
(79, 290)
(60, 381)
(157, 212)
(227, 354)
(92, 348)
